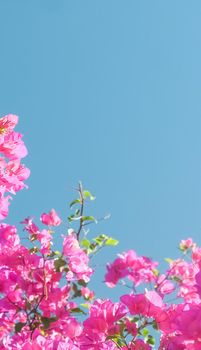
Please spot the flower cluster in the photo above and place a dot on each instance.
(137, 269)
(45, 298)
(12, 172)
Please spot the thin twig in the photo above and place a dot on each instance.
(80, 190)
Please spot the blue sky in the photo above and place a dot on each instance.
(109, 92)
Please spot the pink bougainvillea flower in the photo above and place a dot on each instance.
(8, 237)
(45, 239)
(12, 173)
(77, 259)
(4, 204)
(50, 219)
(8, 123)
(30, 226)
(12, 146)
(87, 293)
(186, 244)
(163, 286)
(102, 321)
(16, 173)
(138, 269)
(131, 327)
(139, 344)
(149, 304)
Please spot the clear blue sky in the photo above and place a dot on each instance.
(109, 92)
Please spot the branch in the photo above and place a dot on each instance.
(80, 190)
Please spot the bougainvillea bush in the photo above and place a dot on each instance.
(45, 299)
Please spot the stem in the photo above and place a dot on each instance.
(80, 190)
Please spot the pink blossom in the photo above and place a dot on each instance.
(51, 219)
(87, 293)
(186, 244)
(45, 239)
(164, 286)
(139, 344)
(30, 226)
(70, 244)
(12, 146)
(196, 254)
(14, 175)
(137, 269)
(131, 327)
(8, 123)
(4, 204)
(149, 304)
(103, 315)
(77, 258)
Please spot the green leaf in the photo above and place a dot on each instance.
(47, 320)
(57, 253)
(82, 283)
(101, 239)
(70, 218)
(169, 260)
(34, 250)
(150, 340)
(154, 325)
(111, 241)
(58, 263)
(102, 236)
(145, 332)
(155, 272)
(93, 246)
(176, 279)
(78, 310)
(19, 326)
(76, 291)
(87, 194)
(85, 305)
(74, 218)
(75, 201)
(117, 339)
(88, 218)
(85, 243)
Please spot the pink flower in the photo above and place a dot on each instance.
(149, 304)
(140, 345)
(196, 254)
(8, 123)
(106, 310)
(164, 286)
(70, 244)
(50, 219)
(12, 146)
(187, 244)
(14, 174)
(30, 226)
(137, 269)
(8, 236)
(77, 259)
(87, 293)
(131, 327)
(102, 321)
(4, 204)
(45, 239)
